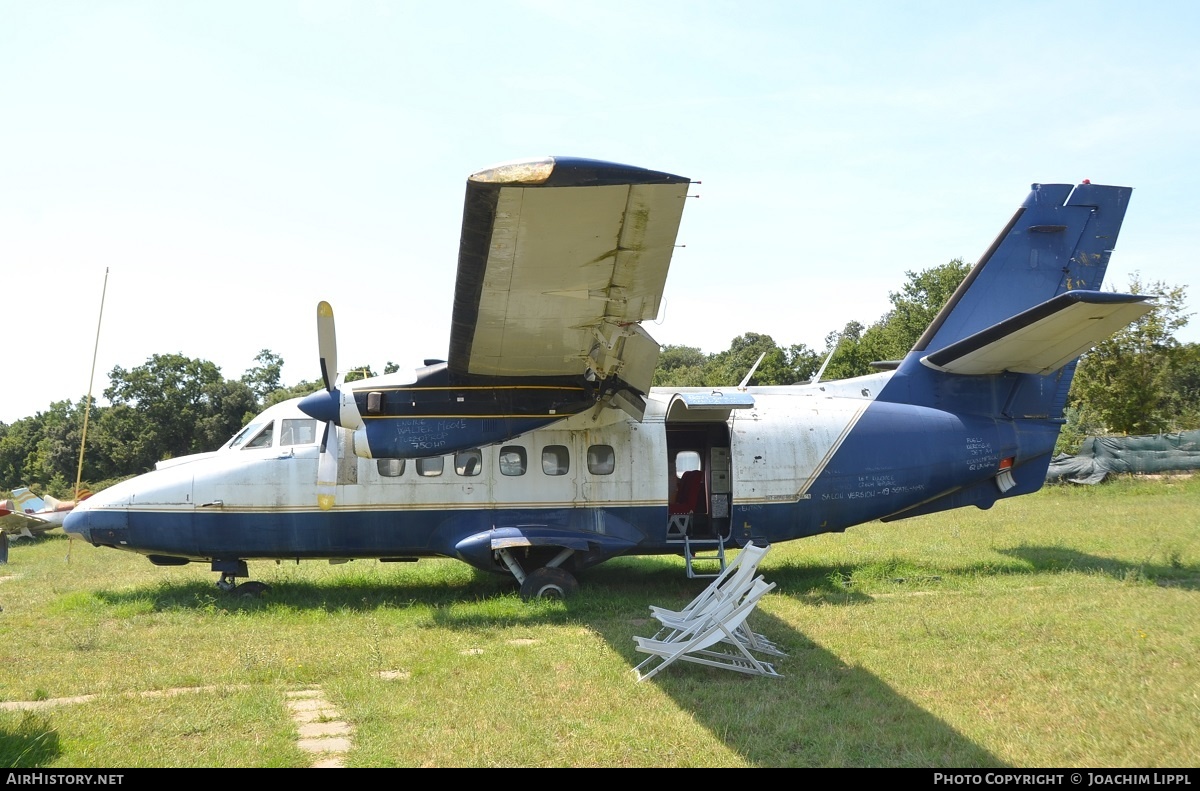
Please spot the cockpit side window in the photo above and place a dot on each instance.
(297, 431)
(264, 438)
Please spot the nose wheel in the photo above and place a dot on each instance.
(230, 571)
(250, 589)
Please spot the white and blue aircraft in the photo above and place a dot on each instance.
(538, 448)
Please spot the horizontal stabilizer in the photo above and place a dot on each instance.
(1044, 338)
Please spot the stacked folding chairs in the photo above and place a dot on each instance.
(712, 629)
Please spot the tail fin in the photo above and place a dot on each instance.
(1059, 240)
(27, 502)
(1028, 309)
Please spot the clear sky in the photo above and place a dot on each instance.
(232, 163)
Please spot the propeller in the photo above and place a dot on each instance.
(327, 344)
(328, 463)
(327, 468)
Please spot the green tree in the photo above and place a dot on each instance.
(294, 391)
(730, 367)
(263, 378)
(849, 358)
(42, 451)
(171, 397)
(687, 366)
(18, 444)
(1130, 382)
(359, 372)
(231, 406)
(1185, 384)
(680, 366)
(914, 308)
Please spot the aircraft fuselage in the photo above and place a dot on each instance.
(795, 462)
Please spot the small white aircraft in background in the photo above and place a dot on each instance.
(538, 448)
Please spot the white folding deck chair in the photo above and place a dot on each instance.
(673, 622)
(730, 585)
(735, 580)
(699, 642)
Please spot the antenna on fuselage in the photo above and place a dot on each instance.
(828, 357)
(750, 373)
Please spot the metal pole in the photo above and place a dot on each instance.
(88, 405)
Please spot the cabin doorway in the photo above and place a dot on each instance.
(699, 481)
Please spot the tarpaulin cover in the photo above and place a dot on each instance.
(1143, 455)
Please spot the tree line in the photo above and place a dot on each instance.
(1140, 381)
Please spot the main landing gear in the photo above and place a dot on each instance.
(548, 581)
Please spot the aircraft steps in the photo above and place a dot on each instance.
(705, 551)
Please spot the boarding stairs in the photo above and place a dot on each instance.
(708, 548)
(708, 552)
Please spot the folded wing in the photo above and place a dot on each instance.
(559, 261)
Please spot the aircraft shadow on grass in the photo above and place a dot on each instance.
(877, 726)
(1169, 574)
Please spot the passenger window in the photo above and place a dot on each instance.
(264, 438)
(686, 460)
(466, 462)
(601, 460)
(555, 460)
(512, 460)
(430, 468)
(390, 468)
(298, 431)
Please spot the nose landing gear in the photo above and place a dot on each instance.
(230, 571)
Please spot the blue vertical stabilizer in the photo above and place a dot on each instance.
(1005, 343)
(1059, 240)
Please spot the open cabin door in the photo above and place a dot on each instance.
(699, 471)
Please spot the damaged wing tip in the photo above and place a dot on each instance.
(518, 171)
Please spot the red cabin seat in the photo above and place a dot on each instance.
(689, 500)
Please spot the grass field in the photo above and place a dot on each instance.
(1060, 629)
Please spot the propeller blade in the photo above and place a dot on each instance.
(327, 468)
(327, 344)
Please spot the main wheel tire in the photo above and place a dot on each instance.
(548, 582)
(251, 589)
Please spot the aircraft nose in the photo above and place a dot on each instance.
(324, 405)
(76, 523)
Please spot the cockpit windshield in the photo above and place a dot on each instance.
(243, 435)
(264, 438)
(255, 435)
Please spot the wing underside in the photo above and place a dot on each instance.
(559, 261)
